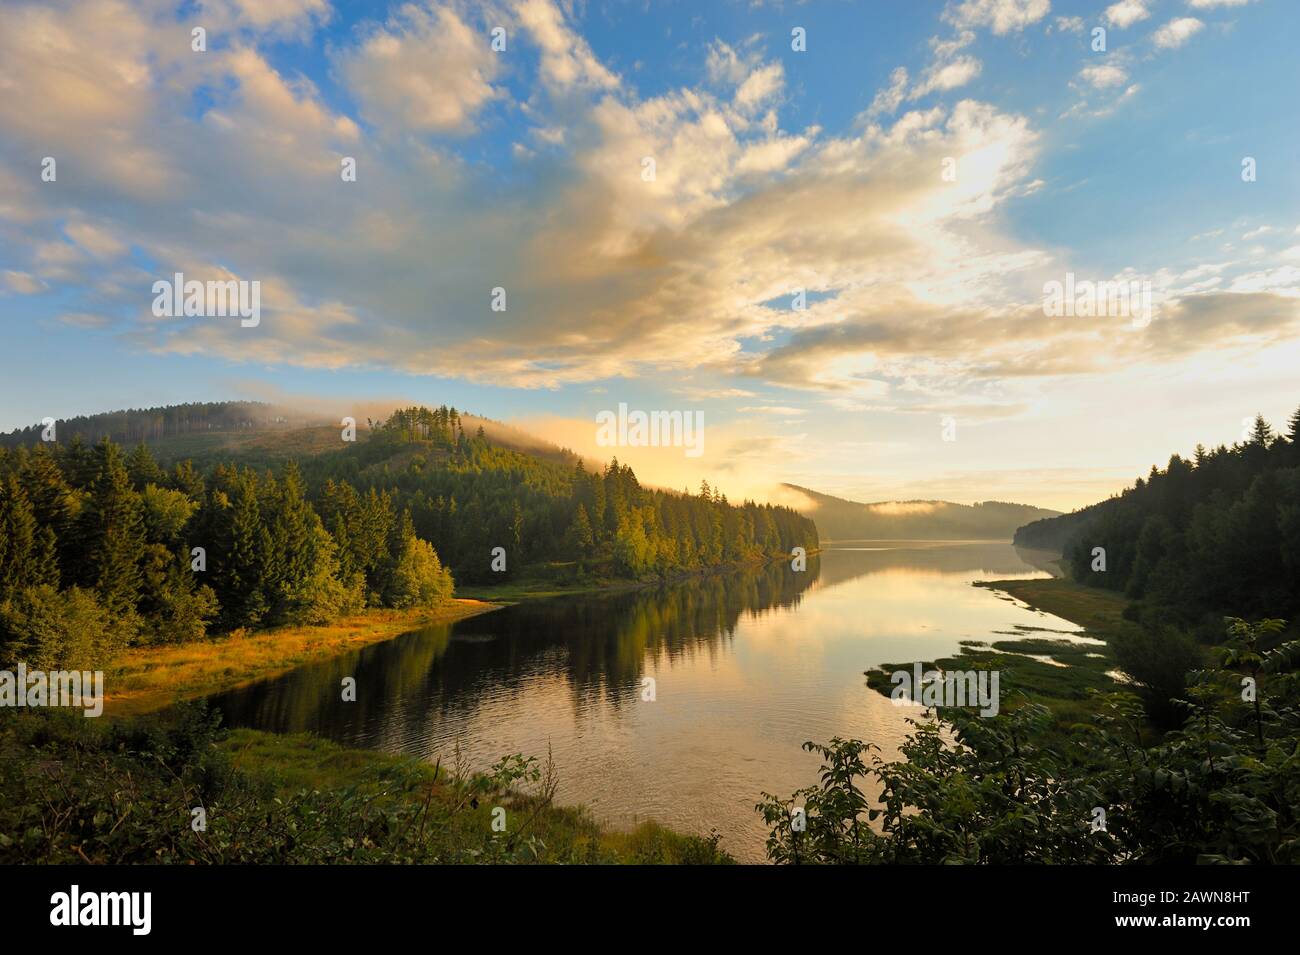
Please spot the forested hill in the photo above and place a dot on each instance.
(1216, 534)
(156, 424)
(100, 545)
(838, 519)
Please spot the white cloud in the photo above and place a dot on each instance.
(87, 320)
(924, 291)
(891, 97)
(947, 76)
(1104, 75)
(1001, 16)
(1125, 13)
(755, 82)
(760, 86)
(1177, 32)
(426, 70)
(22, 282)
(568, 62)
(292, 18)
(99, 242)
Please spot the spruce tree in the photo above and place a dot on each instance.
(242, 565)
(114, 536)
(23, 550)
(143, 468)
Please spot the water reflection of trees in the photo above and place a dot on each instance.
(599, 644)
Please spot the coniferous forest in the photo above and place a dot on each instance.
(104, 547)
(1218, 533)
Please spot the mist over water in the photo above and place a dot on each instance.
(747, 666)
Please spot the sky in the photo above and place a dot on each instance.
(830, 228)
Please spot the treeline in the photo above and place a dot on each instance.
(1216, 534)
(468, 496)
(101, 550)
(151, 424)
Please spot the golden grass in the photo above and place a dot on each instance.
(146, 679)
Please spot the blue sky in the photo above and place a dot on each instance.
(776, 169)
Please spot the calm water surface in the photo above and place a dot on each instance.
(746, 667)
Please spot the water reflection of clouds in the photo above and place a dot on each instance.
(747, 667)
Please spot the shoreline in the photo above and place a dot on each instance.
(148, 679)
(1097, 611)
(524, 588)
(1051, 668)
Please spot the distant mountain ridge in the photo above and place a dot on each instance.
(840, 519)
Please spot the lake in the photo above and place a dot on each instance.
(746, 666)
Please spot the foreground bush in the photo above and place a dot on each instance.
(1224, 788)
(77, 790)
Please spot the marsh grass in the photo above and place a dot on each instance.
(1098, 611)
(1066, 686)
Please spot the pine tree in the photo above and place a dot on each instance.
(24, 553)
(143, 468)
(517, 533)
(53, 499)
(242, 565)
(1293, 439)
(1261, 433)
(187, 480)
(580, 539)
(291, 523)
(417, 577)
(78, 463)
(113, 529)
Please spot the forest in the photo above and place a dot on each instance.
(103, 548)
(151, 424)
(1217, 534)
(1191, 760)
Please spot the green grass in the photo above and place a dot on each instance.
(291, 763)
(1065, 690)
(1096, 610)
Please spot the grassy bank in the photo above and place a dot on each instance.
(176, 789)
(302, 762)
(1097, 611)
(1055, 672)
(145, 679)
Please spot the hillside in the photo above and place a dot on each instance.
(263, 489)
(254, 433)
(839, 519)
(1218, 533)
